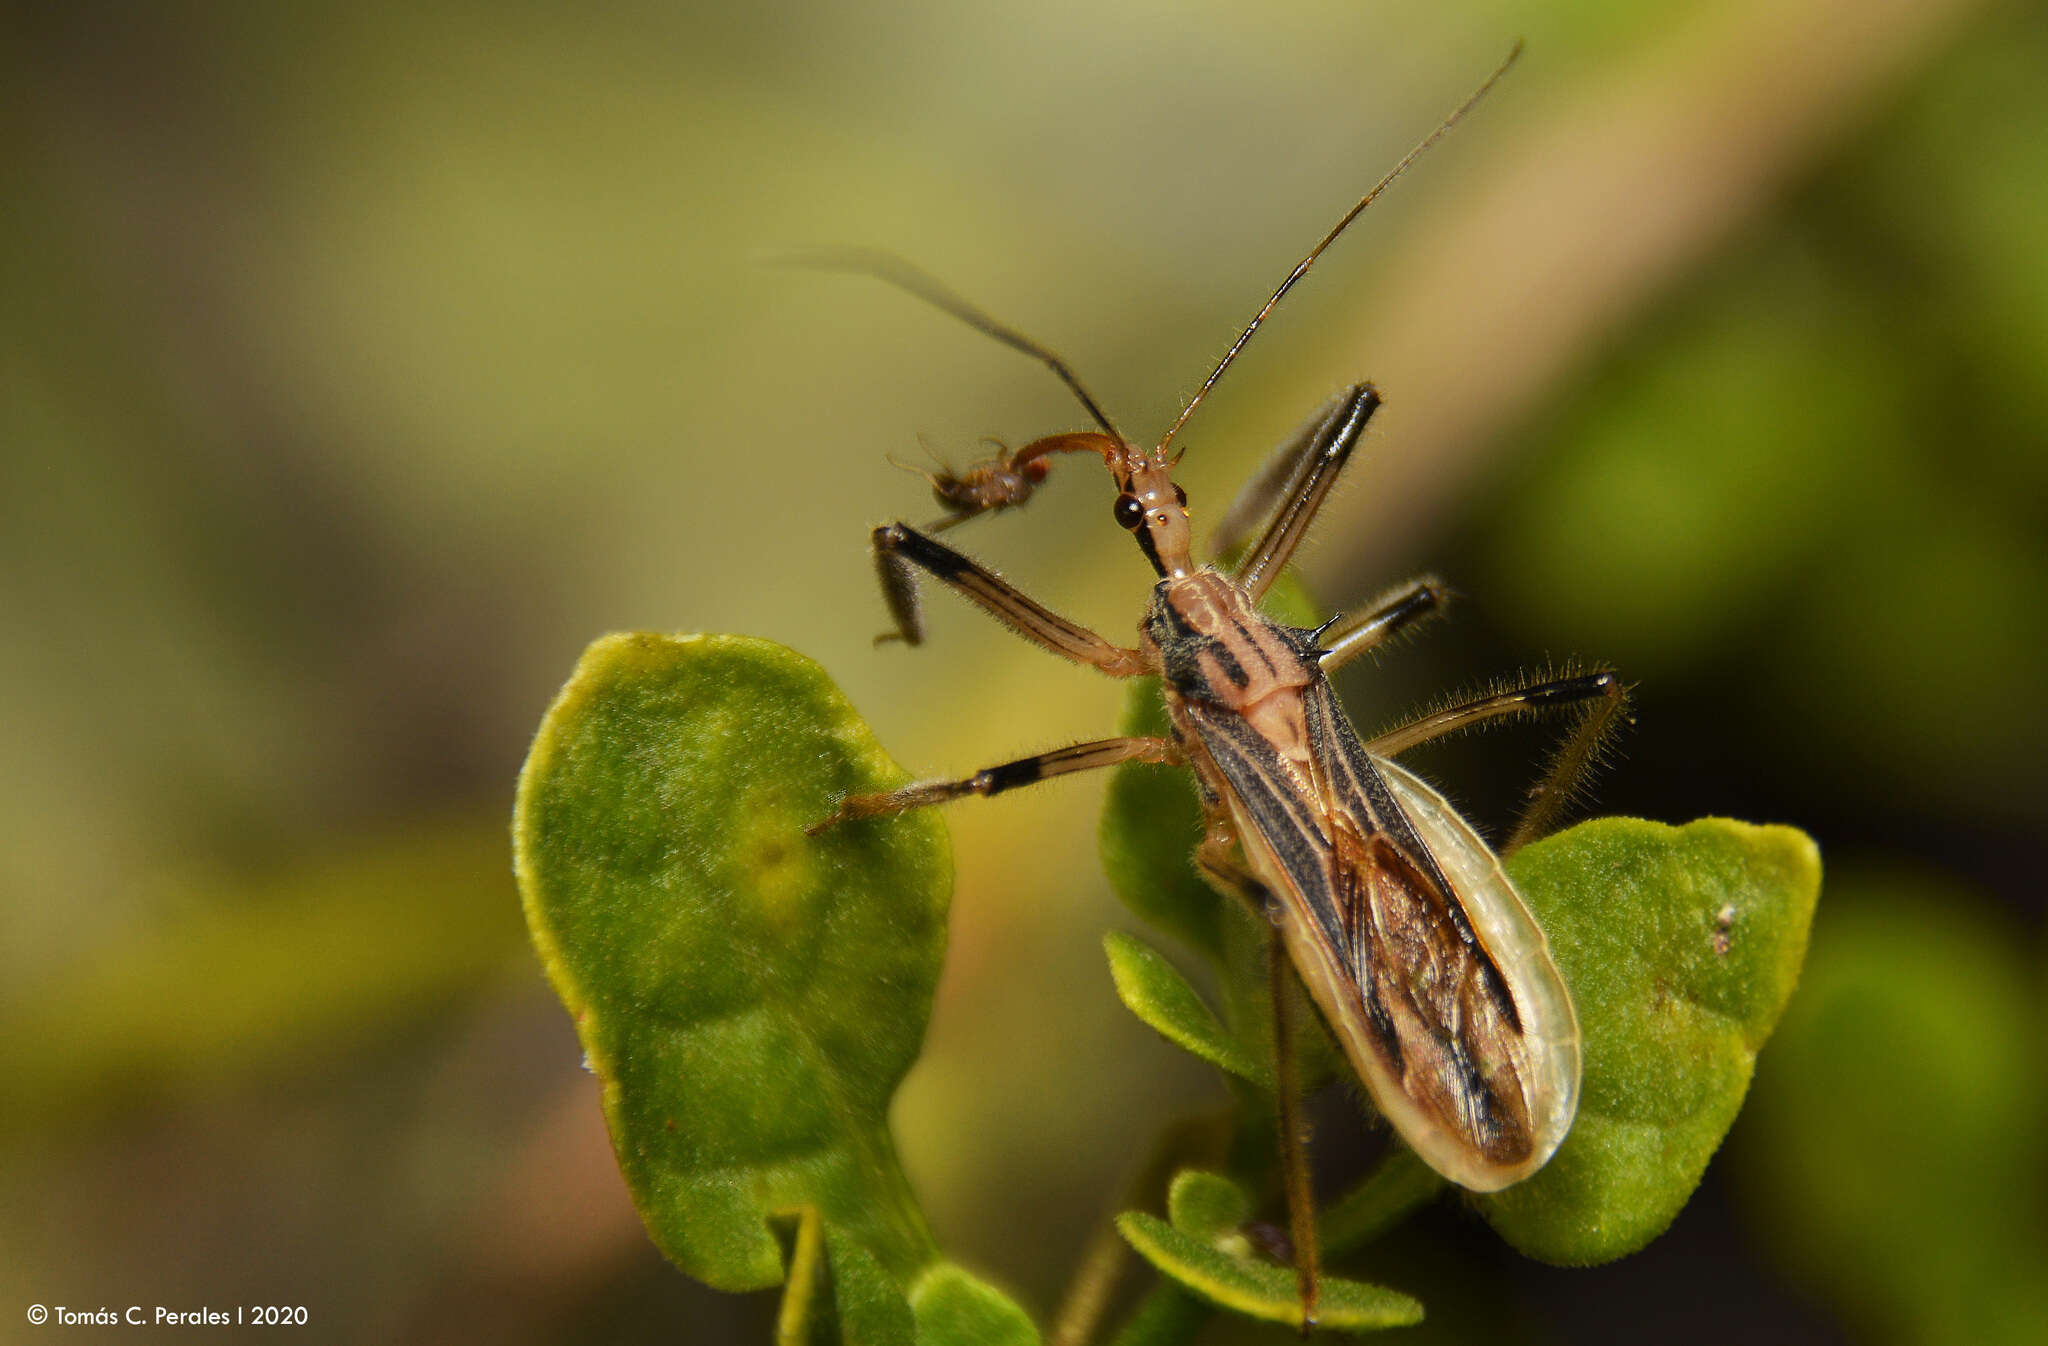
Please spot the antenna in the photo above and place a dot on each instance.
(1331, 237)
(888, 267)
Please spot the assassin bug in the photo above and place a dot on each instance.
(1397, 917)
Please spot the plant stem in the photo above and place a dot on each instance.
(1401, 1184)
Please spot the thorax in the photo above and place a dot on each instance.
(1212, 645)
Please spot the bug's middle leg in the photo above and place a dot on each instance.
(1398, 609)
(901, 551)
(1007, 776)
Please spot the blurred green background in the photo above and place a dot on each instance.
(359, 363)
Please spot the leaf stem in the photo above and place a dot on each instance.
(1400, 1185)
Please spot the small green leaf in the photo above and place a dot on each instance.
(1155, 991)
(1207, 1206)
(1260, 1289)
(956, 1308)
(748, 997)
(1681, 946)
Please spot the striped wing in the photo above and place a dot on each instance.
(1412, 941)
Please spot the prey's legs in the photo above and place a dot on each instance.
(1008, 776)
(901, 551)
(1598, 699)
(1317, 458)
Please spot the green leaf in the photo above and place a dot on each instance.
(1207, 1206)
(1155, 991)
(1260, 1289)
(956, 1308)
(1681, 946)
(748, 997)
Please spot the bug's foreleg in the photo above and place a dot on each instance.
(1217, 860)
(901, 551)
(1598, 699)
(1322, 457)
(1274, 479)
(1393, 612)
(899, 591)
(1008, 776)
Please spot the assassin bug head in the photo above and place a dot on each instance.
(1154, 509)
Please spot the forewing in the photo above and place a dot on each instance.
(1422, 1007)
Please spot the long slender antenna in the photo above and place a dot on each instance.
(1331, 237)
(887, 266)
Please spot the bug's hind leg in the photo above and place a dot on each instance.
(996, 779)
(1215, 858)
(1598, 699)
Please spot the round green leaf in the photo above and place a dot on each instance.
(1681, 946)
(1262, 1290)
(748, 997)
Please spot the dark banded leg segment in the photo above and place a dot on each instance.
(1008, 776)
(1255, 499)
(1322, 458)
(1398, 610)
(901, 551)
(1600, 702)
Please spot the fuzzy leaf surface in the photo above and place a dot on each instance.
(954, 1307)
(1681, 946)
(1154, 989)
(1262, 1290)
(748, 997)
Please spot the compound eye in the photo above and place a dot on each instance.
(1129, 512)
(1180, 495)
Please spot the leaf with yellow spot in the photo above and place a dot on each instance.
(749, 997)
